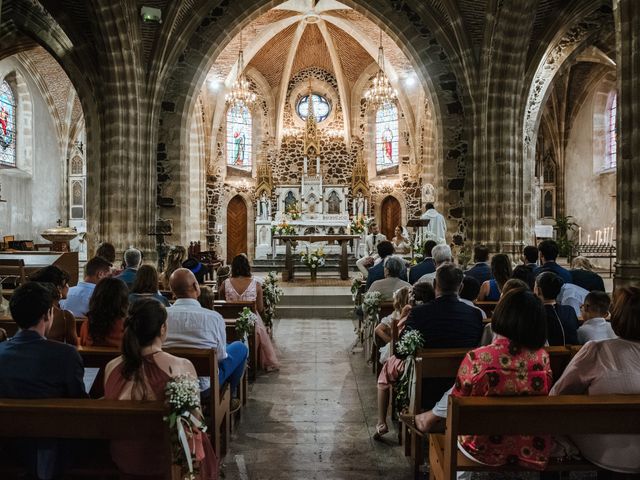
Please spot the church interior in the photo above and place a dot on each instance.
(297, 140)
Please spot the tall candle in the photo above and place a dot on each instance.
(579, 235)
(589, 239)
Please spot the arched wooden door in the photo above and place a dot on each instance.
(391, 216)
(236, 228)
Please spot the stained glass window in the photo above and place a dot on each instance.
(7, 125)
(321, 107)
(386, 136)
(612, 137)
(239, 137)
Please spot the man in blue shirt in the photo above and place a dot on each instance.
(548, 250)
(132, 260)
(481, 271)
(77, 301)
(428, 264)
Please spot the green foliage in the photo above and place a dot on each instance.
(565, 228)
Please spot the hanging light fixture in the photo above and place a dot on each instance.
(240, 95)
(381, 92)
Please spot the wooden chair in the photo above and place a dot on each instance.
(84, 419)
(443, 364)
(560, 415)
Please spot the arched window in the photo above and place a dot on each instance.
(239, 138)
(612, 137)
(7, 125)
(386, 136)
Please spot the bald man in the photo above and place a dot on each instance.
(191, 326)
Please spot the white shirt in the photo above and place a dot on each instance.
(191, 326)
(602, 368)
(471, 304)
(77, 301)
(572, 295)
(595, 329)
(428, 278)
(371, 244)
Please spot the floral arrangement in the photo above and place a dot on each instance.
(355, 287)
(294, 212)
(185, 424)
(407, 346)
(462, 253)
(283, 228)
(313, 259)
(271, 294)
(245, 323)
(371, 307)
(359, 224)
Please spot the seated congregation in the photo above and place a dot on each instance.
(538, 311)
(144, 330)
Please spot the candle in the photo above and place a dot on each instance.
(579, 235)
(589, 239)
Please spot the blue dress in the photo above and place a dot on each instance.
(494, 291)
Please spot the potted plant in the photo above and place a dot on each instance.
(565, 227)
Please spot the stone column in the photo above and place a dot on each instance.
(627, 19)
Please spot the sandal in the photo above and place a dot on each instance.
(410, 422)
(381, 429)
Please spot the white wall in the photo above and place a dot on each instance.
(589, 194)
(34, 199)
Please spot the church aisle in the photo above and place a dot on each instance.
(316, 416)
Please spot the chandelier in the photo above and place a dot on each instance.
(240, 95)
(381, 92)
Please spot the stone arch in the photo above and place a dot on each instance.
(417, 36)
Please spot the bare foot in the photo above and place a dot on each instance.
(427, 422)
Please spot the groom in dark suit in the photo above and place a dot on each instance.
(33, 367)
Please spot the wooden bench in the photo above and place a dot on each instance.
(486, 307)
(84, 419)
(443, 364)
(230, 311)
(205, 362)
(12, 271)
(561, 415)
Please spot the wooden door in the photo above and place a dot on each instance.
(236, 228)
(391, 216)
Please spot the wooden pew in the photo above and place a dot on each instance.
(230, 311)
(12, 271)
(84, 419)
(205, 362)
(560, 415)
(486, 307)
(443, 364)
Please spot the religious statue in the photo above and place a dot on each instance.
(428, 193)
(290, 202)
(359, 205)
(333, 203)
(264, 207)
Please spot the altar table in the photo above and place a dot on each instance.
(342, 239)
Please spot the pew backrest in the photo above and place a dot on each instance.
(233, 309)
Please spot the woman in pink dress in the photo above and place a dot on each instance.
(141, 373)
(243, 287)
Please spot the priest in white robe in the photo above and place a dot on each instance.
(437, 228)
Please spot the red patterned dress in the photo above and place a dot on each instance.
(504, 369)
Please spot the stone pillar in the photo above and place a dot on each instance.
(627, 19)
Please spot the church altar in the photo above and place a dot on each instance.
(343, 240)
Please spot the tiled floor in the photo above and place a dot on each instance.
(315, 417)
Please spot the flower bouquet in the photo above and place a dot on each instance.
(271, 293)
(185, 424)
(407, 346)
(245, 323)
(359, 224)
(283, 228)
(313, 260)
(294, 212)
(355, 287)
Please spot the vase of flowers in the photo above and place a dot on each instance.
(313, 260)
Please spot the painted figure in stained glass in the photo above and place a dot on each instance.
(387, 136)
(7, 124)
(239, 137)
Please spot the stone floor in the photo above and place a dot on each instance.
(314, 419)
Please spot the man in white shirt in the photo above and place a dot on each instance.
(595, 327)
(437, 228)
(371, 243)
(191, 326)
(77, 301)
